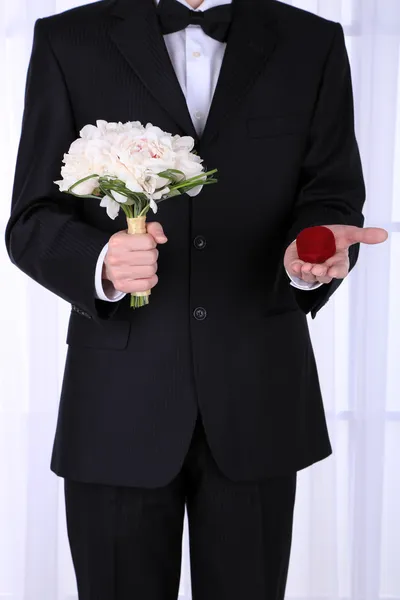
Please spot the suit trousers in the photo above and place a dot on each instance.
(126, 542)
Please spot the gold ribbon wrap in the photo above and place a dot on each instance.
(137, 226)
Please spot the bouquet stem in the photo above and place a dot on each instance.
(137, 225)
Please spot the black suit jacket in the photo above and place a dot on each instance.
(281, 133)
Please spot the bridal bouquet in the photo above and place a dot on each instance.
(133, 167)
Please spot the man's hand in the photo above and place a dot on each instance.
(131, 261)
(336, 267)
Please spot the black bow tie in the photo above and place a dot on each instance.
(215, 22)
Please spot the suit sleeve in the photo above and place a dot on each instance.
(331, 189)
(46, 236)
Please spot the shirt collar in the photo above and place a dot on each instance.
(205, 5)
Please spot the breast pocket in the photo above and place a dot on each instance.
(87, 333)
(263, 127)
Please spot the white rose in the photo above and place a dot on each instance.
(141, 152)
(152, 132)
(78, 167)
(134, 154)
(90, 132)
(183, 143)
(130, 177)
(87, 156)
(190, 164)
(161, 182)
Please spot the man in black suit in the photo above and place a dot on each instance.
(209, 397)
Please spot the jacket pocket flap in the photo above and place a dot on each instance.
(88, 333)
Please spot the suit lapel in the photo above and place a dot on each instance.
(137, 34)
(251, 42)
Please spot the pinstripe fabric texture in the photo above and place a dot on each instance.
(281, 133)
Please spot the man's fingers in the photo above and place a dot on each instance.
(302, 270)
(306, 274)
(122, 242)
(136, 258)
(324, 279)
(141, 257)
(339, 271)
(136, 272)
(323, 273)
(295, 268)
(306, 268)
(129, 286)
(319, 270)
(336, 267)
(156, 230)
(368, 235)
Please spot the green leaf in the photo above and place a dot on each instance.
(127, 210)
(172, 175)
(171, 194)
(79, 182)
(80, 196)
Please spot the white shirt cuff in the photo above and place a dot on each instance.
(299, 284)
(111, 295)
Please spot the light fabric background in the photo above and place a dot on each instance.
(347, 529)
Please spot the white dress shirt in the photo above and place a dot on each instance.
(197, 60)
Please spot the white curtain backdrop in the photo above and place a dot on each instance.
(347, 527)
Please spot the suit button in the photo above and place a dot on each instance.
(200, 314)
(199, 242)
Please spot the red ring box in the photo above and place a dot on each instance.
(315, 245)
